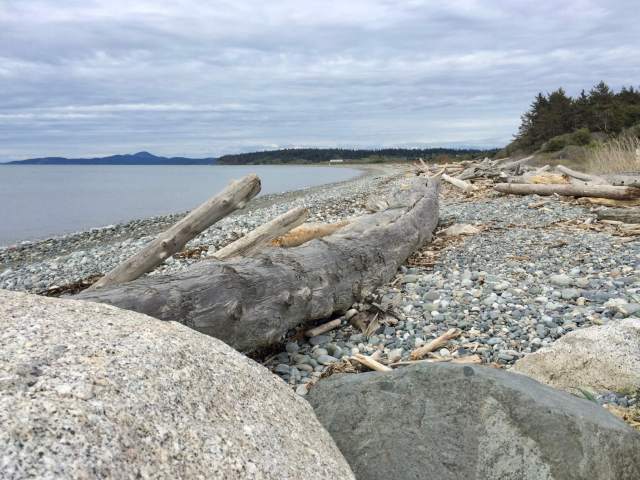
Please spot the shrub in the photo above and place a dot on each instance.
(581, 136)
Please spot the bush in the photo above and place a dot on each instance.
(580, 137)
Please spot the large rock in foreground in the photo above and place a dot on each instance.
(596, 358)
(453, 421)
(91, 391)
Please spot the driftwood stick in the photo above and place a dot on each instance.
(371, 363)
(234, 196)
(601, 191)
(583, 177)
(324, 328)
(515, 164)
(436, 343)
(264, 234)
(251, 302)
(456, 182)
(625, 215)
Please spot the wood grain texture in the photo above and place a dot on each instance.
(600, 191)
(252, 302)
(234, 196)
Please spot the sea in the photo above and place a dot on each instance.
(42, 201)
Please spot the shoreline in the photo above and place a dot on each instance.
(37, 266)
(366, 169)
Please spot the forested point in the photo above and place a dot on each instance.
(557, 120)
(321, 155)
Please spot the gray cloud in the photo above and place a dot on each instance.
(186, 77)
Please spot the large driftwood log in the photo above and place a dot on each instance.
(602, 191)
(262, 235)
(252, 302)
(235, 196)
(625, 215)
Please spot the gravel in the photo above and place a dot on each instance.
(529, 276)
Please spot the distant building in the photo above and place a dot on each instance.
(336, 160)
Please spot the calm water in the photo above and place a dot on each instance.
(39, 201)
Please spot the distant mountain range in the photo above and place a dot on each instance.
(282, 156)
(140, 158)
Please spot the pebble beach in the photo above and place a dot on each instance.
(533, 271)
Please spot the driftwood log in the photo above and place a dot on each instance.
(582, 177)
(235, 196)
(264, 234)
(625, 215)
(456, 182)
(601, 191)
(252, 302)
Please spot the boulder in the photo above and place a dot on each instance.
(596, 358)
(452, 421)
(92, 391)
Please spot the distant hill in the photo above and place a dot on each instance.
(140, 158)
(321, 155)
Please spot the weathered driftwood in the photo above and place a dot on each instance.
(626, 179)
(513, 165)
(456, 182)
(371, 363)
(262, 235)
(235, 196)
(582, 177)
(601, 191)
(304, 233)
(324, 328)
(625, 215)
(252, 302)
(436, 343)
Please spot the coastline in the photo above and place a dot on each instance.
(40, 266)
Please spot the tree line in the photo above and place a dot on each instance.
(319, 155)
(555, 114)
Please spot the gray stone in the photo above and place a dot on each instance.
(569, 293)
(91, 391)
(452, 421)
(598, 358)
(561, 280)
(326, 359)
(319, 340)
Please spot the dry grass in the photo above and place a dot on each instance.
(620, 155)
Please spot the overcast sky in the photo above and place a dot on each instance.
(202, 78)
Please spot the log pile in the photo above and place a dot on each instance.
(250, 302)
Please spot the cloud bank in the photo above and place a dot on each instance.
(186, 77)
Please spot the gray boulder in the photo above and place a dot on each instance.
(92, 391)
(597, 358)
(453, 421)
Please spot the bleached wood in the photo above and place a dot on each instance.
(262, 235)
(307, 232)
(456, 182)
(436, 343)
(583, 177)
(234, 196)
(324, 328)
(251, 302)
(569, 190)
(371, 363)
(625, 215)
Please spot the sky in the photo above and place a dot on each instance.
(202, 78)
